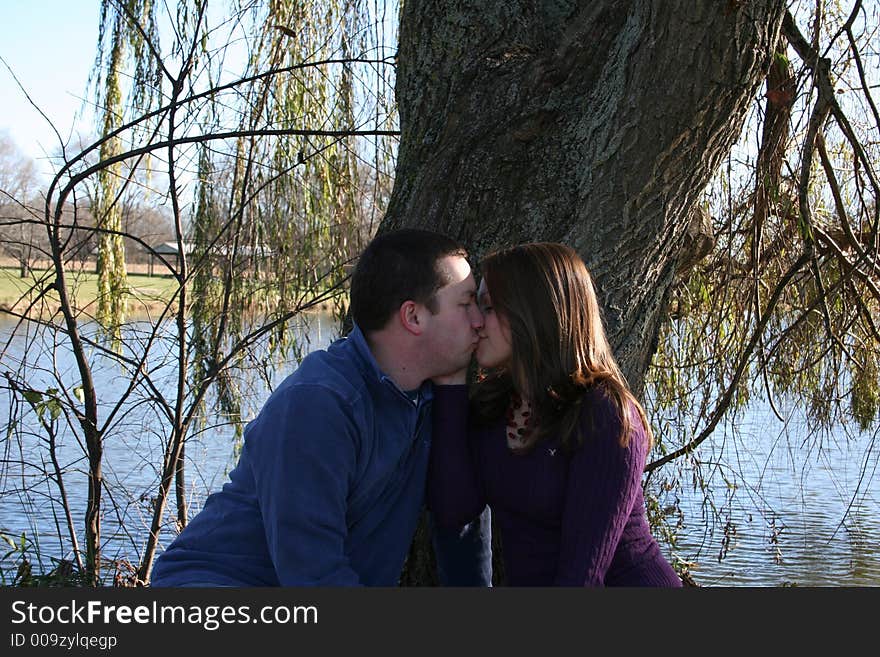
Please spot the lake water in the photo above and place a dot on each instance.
(797, 510)
(804, 509)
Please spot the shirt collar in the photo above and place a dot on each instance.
(362, 348)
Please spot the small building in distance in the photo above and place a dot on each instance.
(171, 253)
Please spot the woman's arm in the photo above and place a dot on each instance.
(455, 494)
(604, 480)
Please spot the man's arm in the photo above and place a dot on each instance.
(303, 454)
(464, 554)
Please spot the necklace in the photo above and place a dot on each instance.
(519, 421)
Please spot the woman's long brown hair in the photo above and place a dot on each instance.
(545, 293)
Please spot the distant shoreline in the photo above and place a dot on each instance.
(149, 296)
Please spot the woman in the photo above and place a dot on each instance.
(551, 438)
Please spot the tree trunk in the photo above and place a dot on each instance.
(94, 446)
(180, 488)
(597, 124)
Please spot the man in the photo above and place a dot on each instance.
(331, 479)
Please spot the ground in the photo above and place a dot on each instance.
(148, 294)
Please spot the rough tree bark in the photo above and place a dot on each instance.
(597, 124)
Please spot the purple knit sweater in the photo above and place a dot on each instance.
(575, 520)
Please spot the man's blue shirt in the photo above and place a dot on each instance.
(328, 488)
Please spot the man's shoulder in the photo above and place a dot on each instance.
(336, 370)
(323, 383)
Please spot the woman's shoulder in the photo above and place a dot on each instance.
(597, 403)
(600, 413)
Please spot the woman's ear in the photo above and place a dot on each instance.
(410, 317)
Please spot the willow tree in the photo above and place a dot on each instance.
(110, 266)
(263, 132)
(604, 125)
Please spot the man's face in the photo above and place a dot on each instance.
(451, 332)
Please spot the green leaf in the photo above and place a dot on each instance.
(54, 407)
(33, 396)
(79, 394)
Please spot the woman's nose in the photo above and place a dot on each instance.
(476, 317)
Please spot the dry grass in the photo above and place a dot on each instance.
(147, 294)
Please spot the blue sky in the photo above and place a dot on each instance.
(50, 46)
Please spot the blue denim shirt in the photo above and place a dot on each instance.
(329, 485)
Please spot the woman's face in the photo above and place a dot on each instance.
(494, 348)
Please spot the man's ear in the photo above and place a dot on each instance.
(411, 317)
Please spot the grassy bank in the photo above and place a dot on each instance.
(147, 294)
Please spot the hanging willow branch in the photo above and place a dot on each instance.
(816, 338)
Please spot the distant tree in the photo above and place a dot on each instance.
(18, 187)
